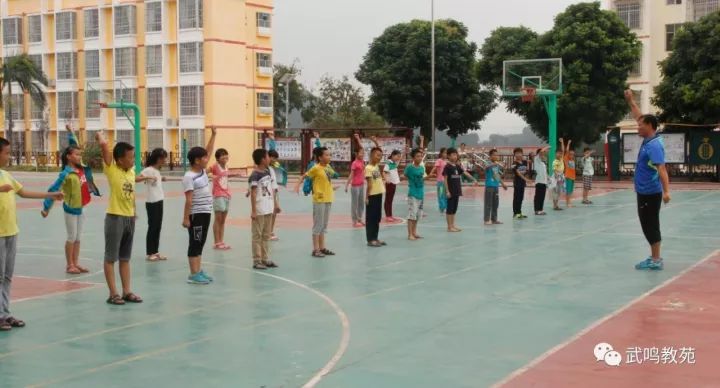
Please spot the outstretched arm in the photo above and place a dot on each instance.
(48, 202)
(57, 196)
(104, 148)
(210, 148)
(634, 109)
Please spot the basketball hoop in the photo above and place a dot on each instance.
(528, 94)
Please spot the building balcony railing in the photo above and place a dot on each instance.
(264, 71)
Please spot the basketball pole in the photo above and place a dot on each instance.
(136, 125)
(551, 109)
(432, 76)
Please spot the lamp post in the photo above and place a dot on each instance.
(432, 75)
(285, 80)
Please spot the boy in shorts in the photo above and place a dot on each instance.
(323, 196)
(453, 174)
(415, 174)
(198, 208)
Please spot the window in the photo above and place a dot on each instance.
(637, 96)
(192, 101)
(630, 14)
(153, 17)
(127, 95)
(125, 62)
(37, 60)
(92, 23)
(67, 105)
(703, 8)
(66, 65)
(154, 102)
(670, 31)
(125, 135)
(263, 20)
(264, 100)
(93, 110)
(12, 30)
(191, 57)
(65, 25)
(636, 70)
(17, 103)
(264, 60)
(153, 59)
(38, 141)
(92, 64)
(124, 20)
(194, 137)
(673, 2)
(34, 28)
(36, 112)
(155, 139)
(191, 14)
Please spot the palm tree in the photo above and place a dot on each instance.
(21, 70)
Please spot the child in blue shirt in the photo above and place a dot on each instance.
(493, 181)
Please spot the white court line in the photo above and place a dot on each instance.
(599, 322)
(53, 294)
(56, 280)
(344, 321)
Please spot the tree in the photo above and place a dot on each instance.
(397, 68)
(690, 89)
(300, 98)
(340, 104)
(598, 52)
(22, 71)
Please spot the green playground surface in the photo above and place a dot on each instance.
(451, 310)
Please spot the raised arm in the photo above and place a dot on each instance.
(634, 109)
(374, 140)
(316, 135)
(567, 148)
(210, 148)
(271, 142)
(104, 148)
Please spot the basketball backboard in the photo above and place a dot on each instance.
(543, 75)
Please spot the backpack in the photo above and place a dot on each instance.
(307, 185)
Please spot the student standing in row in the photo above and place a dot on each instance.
(323, 195)
(356, 181)
(520, 181)
(263, 204)
(373, 198)
(588, 173)
(541, 180)
(453, 173)
(415, 174)
(493, 181)
(154, 203)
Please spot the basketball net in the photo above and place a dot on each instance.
(529, 95)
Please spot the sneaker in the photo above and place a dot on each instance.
(198, 278)
(206, 276)
(650, 264)
(518, 216)
(523, 216)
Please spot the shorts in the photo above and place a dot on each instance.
(321, 217)
(74, 226)
(452, 205)
(415, 208)
(119, 232)
(569, 186)
(587, 182)
(221, 204)
(198, 232)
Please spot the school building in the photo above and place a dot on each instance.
(655, 23)
(188, 64)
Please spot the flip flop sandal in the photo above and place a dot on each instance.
(259, 266)
(83, 269)
(153, 258)
(382, 243)
(4, 326)
(318, 254)
(270, 264)
(14, 322)
(327, 252)
(116, 300)
(132, 298)
(374, 244)
(73, 271)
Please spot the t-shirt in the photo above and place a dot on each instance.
(454, 173)
(84, 188)
(220, 186)
(275, 184)
(357, 169)
(651, 154)
(416, 181)
(321, 188)
(541, 171)
(199, 184)
(375, 186)
(558, 166)
(440, 169)
(393, 174)
(492, 176)
(265, 197)
(122, 190)
(569, 167)
(154, 189)
(8, 211)
(521, 168)
(588, 169)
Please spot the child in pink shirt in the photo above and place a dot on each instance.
(357, 181)
(438, 171)
(221, 196)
